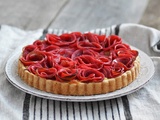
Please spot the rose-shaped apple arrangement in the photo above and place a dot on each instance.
(84, 57)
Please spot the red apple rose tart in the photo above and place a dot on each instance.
(78, 64)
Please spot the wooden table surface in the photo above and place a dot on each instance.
(73, 15)
(76, 15)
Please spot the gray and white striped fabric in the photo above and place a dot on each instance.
(141, 105)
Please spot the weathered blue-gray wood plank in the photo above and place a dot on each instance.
(151, 16)
(82, 15)
(29, 14)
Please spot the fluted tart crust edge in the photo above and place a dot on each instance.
(79, 88)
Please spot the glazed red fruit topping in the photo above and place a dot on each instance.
(86, 57)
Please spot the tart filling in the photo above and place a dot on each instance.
(78, 64)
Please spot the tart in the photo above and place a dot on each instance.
(78, 64)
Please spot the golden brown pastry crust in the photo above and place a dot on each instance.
(79, 88)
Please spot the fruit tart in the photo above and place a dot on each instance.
(78, 64)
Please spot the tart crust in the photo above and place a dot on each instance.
(77, 87)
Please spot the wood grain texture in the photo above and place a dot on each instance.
(82, 15)
(75, 15)
(151, 16)
(30, 14)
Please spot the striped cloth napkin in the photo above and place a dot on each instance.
(143, 104)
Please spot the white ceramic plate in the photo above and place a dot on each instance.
(146, 72)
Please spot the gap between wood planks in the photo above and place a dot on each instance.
(61, 9)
